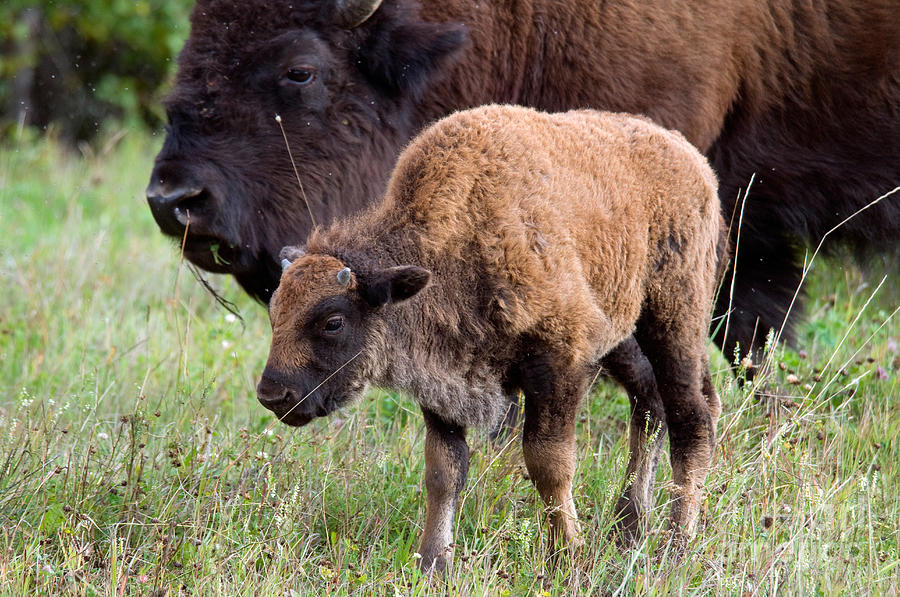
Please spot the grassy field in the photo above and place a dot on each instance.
(135, 460)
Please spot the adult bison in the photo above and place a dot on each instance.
(806, 96)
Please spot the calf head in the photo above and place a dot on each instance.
(329, 333)
(345, 77)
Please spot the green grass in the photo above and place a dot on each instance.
(134, 458)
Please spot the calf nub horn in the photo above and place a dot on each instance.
(343, 277)
(289, 254)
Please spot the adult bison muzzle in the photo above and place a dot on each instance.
(805, 96)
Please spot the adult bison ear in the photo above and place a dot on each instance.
(400, 58)
(394, 284)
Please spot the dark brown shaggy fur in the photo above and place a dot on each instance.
(805, 95)
(513, 250)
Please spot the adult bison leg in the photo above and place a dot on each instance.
(552, 396)
(446, 467)
(675, 344)
(766, 276)
(628, 365)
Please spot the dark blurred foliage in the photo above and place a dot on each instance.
(72, 65)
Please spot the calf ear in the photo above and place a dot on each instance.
(401, 59)
(394, 284)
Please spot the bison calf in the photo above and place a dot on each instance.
(513, 251)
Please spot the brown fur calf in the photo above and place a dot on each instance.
(514, 250)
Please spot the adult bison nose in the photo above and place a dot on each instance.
(270, 393)
(172, 205)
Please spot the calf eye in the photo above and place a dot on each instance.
(334, 324)
(301, 75)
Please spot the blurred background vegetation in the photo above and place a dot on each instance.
(71, 66)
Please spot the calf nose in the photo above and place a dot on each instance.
(270, 393)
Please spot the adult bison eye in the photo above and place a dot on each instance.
(334, 324)
(301, 75)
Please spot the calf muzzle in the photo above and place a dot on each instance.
(288, 406)
(270, 393)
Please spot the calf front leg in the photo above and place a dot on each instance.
(446, 467)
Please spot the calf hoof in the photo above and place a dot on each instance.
(630, 523)
(672, 547)
(565, 553)
(576, 545)
(436, 561)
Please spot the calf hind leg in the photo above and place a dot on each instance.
(630, 367)
(709, 392)
(548, 442)
(676, 349)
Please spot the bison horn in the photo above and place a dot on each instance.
(284, 264)
(343, 276)
(353, 13)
